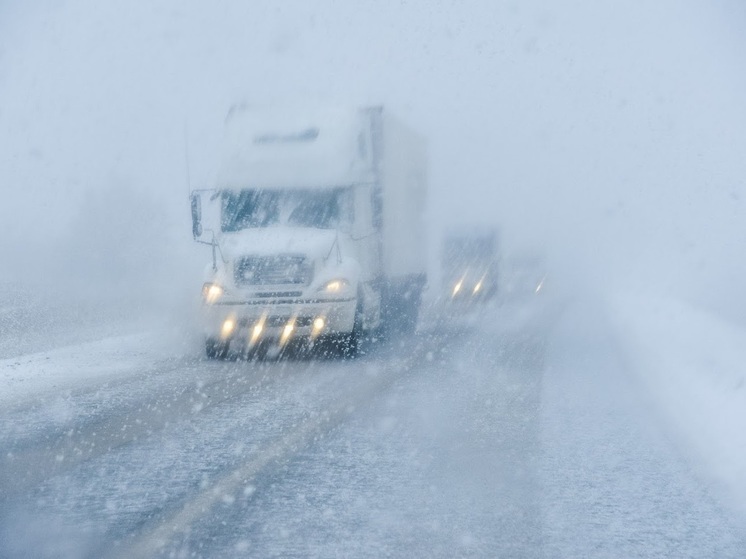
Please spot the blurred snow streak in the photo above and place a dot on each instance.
(610, 134)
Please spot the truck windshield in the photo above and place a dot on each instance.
(320, 209)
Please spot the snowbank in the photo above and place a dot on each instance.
(693, 365)
(36, 375)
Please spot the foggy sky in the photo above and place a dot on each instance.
(611, 135)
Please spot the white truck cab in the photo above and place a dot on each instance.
(316, 228)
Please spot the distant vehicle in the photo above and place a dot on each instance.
(317, 229)
(469, 262)
(524, 276)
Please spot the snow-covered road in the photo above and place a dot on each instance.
(529, 437)
(617, 483)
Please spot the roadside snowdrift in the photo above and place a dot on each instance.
(35, 375)
(693, 365)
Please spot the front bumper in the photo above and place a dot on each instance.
(254, 320)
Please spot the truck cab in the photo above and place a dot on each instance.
(469, 262)
(298, 233)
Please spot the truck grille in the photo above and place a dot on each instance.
(272, 270)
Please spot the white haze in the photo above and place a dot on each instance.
(610, 135)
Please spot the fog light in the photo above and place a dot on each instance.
(287, 331)
(257, 330)
(228, 326)
(318, 325)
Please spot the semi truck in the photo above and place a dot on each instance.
(469, 264)
(317, 230)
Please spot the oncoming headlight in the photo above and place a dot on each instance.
(211, 292)
(457, 287)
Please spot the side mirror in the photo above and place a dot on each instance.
(196, 215)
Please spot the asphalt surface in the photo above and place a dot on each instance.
(522, 440)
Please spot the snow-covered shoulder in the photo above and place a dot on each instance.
(36, 375)
(693, 363)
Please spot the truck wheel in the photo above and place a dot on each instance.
(348, 346)
(413, 314)
(215, 349)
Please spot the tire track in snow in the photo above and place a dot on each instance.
(27, 463)
(176, 526)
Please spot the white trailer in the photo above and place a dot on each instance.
(317, 230)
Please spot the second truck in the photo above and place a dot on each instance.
(316, 227)
(469, 264)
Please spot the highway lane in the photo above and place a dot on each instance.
(132, 453)
(444, 463)
(520, 437)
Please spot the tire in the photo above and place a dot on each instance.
(347, 346)
(350, 344)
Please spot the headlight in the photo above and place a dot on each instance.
(478, 287)
(334, 286)
(211, 292)
(457, 287)
(540, 286)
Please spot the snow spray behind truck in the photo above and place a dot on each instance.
(316, 228)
